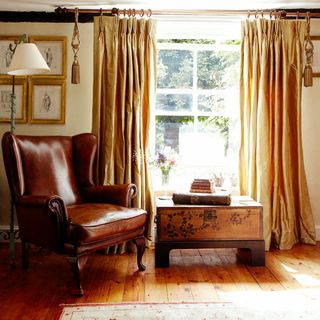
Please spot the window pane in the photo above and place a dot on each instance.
(174, 69)
(169, 129)
(217, 70)
(174, 102)
(212, 103)
(220, 127)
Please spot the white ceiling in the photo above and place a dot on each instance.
(51, 5)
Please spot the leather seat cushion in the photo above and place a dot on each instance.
(93, 222)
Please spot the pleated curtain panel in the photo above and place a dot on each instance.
(123, 95)
(271, 156)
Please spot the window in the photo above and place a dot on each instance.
(197, 109)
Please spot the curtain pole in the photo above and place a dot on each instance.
(166, 12)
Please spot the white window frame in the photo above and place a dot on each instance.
(194, 91)
(195, 113)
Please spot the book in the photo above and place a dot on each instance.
(202, 182)
(201, 198)
(194, 184)
(200, 190)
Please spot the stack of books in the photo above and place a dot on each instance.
(202, 186)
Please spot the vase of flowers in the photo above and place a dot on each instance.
(165, 161)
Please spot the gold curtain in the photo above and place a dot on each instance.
(271, 155)
(123, 93)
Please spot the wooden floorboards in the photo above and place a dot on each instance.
(207, 275)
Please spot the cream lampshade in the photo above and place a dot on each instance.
(27, 60)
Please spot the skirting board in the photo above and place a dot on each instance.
(4, 233)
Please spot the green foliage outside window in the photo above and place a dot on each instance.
(174, 69)
(216, 71)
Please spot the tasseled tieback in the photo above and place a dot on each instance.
(75, 44)
(308, 77)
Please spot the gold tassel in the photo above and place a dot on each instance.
(308, 79)
(75, 43)
(75, 72)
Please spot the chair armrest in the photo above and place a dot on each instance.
(119, 194)
(43, 220)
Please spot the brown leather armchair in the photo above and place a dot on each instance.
(58, 205)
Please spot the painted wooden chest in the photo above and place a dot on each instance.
(238, 225)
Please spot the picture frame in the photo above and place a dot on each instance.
(6, 54)
(21, 100)
(47, 101)
(316, 54)
(54, 52)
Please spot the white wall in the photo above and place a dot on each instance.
(311, 145)
(311, 136)
(78, 97)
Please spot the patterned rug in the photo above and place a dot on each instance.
(183, 311)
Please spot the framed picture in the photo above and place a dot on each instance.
(316, 54)
(6, 54)
(53, 50)
(46, 101)
(20, 89)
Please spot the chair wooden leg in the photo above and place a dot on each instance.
(141, 246)
(77, 263)
(25, 254)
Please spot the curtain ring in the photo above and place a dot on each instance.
(129, 13)
(283, 14)
(141, 13)
(271, 12)
(262, 14)
(298, 14)
(133, 12)
(101, 13)
(76, 16)
(124, 12)
(149, 13)
(115, 11)
(248, 15)
(256, 15)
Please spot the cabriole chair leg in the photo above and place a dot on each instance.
(141, 246)
(77, 263)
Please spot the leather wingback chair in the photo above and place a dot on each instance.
(58, 205)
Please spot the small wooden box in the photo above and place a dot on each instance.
(238, 225)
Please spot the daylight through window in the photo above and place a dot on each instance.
(197, 110)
